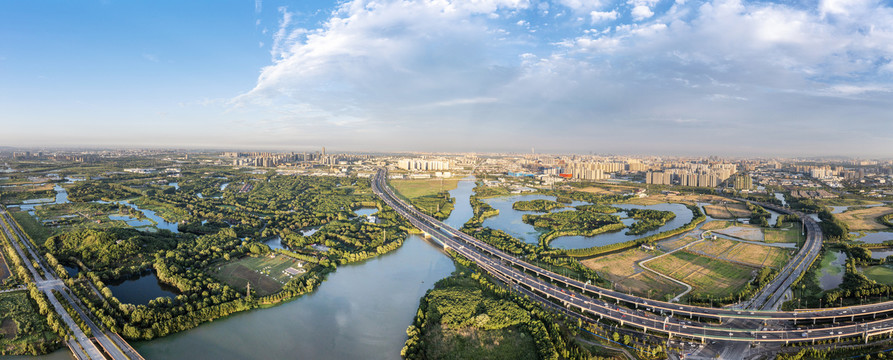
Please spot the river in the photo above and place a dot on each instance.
(360, 312)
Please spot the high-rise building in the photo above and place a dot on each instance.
(743, 182)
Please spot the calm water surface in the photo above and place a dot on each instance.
(141, 289)
(360, 312)
(510, 221)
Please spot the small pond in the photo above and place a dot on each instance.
(140, 289)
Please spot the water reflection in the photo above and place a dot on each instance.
(140, 289)
(360, 312)
(510, 221)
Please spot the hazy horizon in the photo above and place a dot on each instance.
(688, 78)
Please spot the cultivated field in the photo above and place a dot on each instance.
(727, 210)
(787, 234)
(707, 276)
(650, 285)
(265, 273)
(716, 225)
(749, 254)
(746, 232)
(622, 271)
(620, 264)
(415, 188)
(674, 244)
(864, 219)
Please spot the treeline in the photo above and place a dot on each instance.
(886, 220)
(480, 211)
(786, 218)
(648, 220)
(8, 196)
(758, 215)
(598, 250)
(601, 208)
(473, 302)
(438, 205)
(92, 190)
(587, 197)
(856, 286)
(538, 205)
(111, 251)
(833, 229)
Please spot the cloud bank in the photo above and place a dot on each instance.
(724, 76)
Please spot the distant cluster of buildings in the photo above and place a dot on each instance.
(698, 175)
(40, 155)
(270, 159)
(423, 165)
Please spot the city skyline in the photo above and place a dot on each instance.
(634, 77)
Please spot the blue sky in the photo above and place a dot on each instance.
(728, 77)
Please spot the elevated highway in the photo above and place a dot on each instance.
(646, 314)
(50, 284)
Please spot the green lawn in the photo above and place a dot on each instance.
(788, 234)
(416, 188)
(428, 195)
(880, 273)
(37, 231)
(265, 274)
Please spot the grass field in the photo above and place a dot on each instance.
(845, 202)
(619, 265)
(38, 232)
(265, 274)
(4, 268)
(622, 271)
(677, 243)
(415, 188)
(21, 324)
(706, 275)
(716, 225)
(472, 343)
(751, 254)
(682, 199)
(727, 210)
(599, 190)
(787, 234)
(746, 232)
(880, 273)
(864, 219)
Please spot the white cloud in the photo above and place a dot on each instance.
(599, 16)
(731, 64)
(581, 5)
(641, 12)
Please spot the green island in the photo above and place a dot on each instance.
(538, 205)
(579, 222)
(648, 220)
